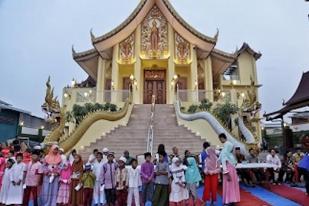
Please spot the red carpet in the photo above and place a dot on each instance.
(290, 193)
(247, 199)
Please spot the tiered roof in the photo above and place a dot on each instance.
(299, 99)
(205, 45)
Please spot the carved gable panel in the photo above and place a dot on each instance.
(154, 34)
(126, 50)
(182, 50)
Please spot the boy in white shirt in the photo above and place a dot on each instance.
(133, 182)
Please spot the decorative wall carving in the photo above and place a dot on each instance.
(154, 34)
(154, 75)
(182, 49)
(126, 50)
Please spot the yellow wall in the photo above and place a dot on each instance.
(124, 71)
(246, 65)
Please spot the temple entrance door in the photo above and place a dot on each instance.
(154, 85)
(125, 87)
(182, 86)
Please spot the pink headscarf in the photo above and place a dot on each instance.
(51, 158)
(66, 171)
(212, 159)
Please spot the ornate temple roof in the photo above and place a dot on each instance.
(299, 99)
(246, 47)
(139, 9)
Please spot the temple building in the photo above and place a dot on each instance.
(152, 48)
(156, 53)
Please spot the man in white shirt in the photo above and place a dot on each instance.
(274, 159)
(133, 182)
(92, 157)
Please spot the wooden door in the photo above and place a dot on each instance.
(107, 90)
(182, 87)
(154, 84)
(126, 87)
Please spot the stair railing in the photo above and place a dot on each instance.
(151, 125)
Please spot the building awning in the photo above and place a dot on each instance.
(299, 99)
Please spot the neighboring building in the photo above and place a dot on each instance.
(15, 122)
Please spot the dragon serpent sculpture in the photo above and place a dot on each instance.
(55, 114)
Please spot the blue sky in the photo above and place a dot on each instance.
(36, 37)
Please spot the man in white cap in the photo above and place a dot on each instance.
(105, 154)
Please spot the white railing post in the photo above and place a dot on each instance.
(151, 125)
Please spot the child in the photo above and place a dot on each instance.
(64, 184)
(211, 171)
(160, 197)
(16, 190)
(133, 182)
(2, 167)
(193, 178)
(179, 192)
(88, 181)
(76, 196)
(33, 177)
(4, 194)
(121, 177)
(109, 179)
(98, 193)
(147, 174)
(11, 155)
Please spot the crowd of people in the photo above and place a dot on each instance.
(53, 178)
(287, 169)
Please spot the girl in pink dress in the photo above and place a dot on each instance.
(65, 181)
(231, 192)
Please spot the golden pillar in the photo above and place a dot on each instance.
(115, 74)
(194, 78)
(100, 80)
(137, 68)
(208, 79)
(171, 66)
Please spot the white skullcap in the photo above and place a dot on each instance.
(105, 150)
(122, 158)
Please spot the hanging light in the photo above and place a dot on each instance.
(131, 77)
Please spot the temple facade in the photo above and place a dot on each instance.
(154, 51)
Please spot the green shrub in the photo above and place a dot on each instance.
(224, 111)
(113, 107)
(205, 105)
(192, 108)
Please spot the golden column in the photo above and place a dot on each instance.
(137, 90)
(208, 79)
(171, 66)
(100, 80)
(115, 74)
(194, 78)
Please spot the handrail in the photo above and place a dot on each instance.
(151, 125)
(214, 123)
(245, 131)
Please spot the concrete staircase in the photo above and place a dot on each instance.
(167, 132)
(133, 137)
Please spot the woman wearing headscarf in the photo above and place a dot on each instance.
(211, 171)
(231, 192)
(76, 196)
(179, 192)
(193, 177)
(51, 170)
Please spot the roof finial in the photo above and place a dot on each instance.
(217, 34)
(73, 50)
(92, 35)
